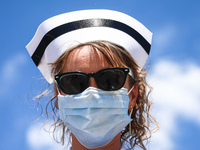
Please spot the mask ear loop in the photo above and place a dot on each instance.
(130, 112)
(130, 90)
(130, 121)
(63, 130)
(63, 135)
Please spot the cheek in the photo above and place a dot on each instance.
(127, 83)
(132, 95)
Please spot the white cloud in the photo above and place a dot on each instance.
(10, 71)
(164, 36)
(39, 139)
(176, 93)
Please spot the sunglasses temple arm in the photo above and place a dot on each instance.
(131, 73)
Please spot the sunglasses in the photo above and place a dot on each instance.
(109, 79)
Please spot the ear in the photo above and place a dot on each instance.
(56, 92)
(133, 95)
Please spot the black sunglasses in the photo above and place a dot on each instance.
(109, 79)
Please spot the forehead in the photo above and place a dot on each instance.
(85, 59)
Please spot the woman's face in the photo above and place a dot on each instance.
(88, 60)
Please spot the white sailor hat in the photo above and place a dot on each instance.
(57, 34)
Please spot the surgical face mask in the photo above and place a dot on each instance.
(95, 116)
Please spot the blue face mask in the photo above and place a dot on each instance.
(95, 116)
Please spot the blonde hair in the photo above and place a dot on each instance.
(118, 57)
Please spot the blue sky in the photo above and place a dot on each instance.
(174, 75)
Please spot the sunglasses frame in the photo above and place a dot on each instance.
(125, 71)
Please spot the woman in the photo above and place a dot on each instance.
(95, 60)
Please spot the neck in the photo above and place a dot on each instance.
(115, 144)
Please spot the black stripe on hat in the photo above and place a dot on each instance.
(62, 29)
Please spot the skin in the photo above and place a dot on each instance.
(89, 60)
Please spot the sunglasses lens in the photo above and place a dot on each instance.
(73, 83)
(107, 79)
(110, 80)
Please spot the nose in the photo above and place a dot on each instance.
(92, 83)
